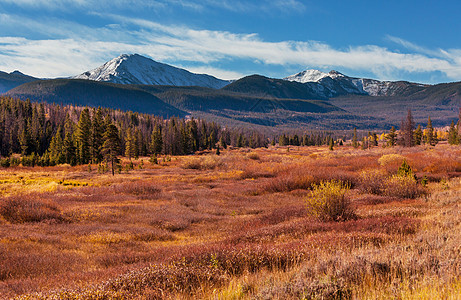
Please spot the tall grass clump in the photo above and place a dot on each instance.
(27, 209)
(328, 201)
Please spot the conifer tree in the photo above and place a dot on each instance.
(354, 139)
(453, 134)
(331, 144)
(193, 135)
(24, 141)
(56, 147)
(418, 134)
(391, 137)
(430, 138)
(407, 131)
(97, 132)
(129, 144)
(82, 137)
(111, 145)
(374, 138)
(222, 142)
(364, 143)
(156, 144)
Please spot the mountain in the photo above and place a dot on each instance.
(137, 69)
(92, 93)
(207, 100)
(258, 85)
(11, 80)
(335, 84)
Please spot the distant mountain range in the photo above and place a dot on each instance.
(310, 98)
(11, 80)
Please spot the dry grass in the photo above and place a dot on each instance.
(234, 226)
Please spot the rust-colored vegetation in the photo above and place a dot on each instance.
(307, 223)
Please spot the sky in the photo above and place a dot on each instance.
(408, 40)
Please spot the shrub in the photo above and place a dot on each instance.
(289, 182)
(405, 170)
(202, 163)
(328, 201)
(372, 181)
(390, 159)
(402, 187)
(253, 155)
(140, 189)
(26, 209)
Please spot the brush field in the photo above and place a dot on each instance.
(236, 226)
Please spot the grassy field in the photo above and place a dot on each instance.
(236, 226)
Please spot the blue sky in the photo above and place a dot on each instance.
(388, 40)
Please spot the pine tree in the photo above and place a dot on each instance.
(82, 137)
(331, 144)
(193, 135)
(69, 150)
(222, 142)
(56, 147)
(355, 143)
(391, 137)
(129, 144)
(374, 139)
(156, 144)
(430, 138)
(111, 146)
(407, 131)
(418, 134)
(97, 132)
(364, 143)
(453, 134)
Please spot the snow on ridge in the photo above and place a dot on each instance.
(137, 69)
(307, 76)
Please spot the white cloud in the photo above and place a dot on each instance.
(219, 73)
(76, 48)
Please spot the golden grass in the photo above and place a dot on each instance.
(233, 227)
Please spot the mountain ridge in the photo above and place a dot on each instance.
(137, 69)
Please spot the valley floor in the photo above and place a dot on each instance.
(235, 226)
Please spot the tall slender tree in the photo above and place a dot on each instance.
(417, 135)
(97, 132)
(430, 137)
(82, 137)
(156, 144)
(407, 129)
(111, 146)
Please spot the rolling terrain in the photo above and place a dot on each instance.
(11, 80)
(310, 99)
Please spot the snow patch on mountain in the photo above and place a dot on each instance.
(137, 69)
(307, 76)
(334, 83)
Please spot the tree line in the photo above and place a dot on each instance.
(49, 134)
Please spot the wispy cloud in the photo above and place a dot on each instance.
(266, 6)
(73, 48)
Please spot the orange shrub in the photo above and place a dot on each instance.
(372, 181)
(28, 209)
(402, 187)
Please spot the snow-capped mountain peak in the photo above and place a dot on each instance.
(307, 76)
(137, 69)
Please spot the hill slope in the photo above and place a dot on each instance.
(91, 93)
(11, 80)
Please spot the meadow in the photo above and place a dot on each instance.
(236, 226)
